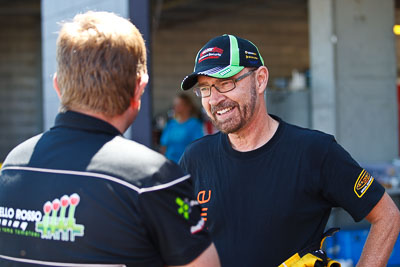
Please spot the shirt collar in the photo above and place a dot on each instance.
(72, 119)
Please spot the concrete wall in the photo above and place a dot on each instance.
(366, 79)
(292, 106)
(363, 104)
(54, 12)
(20, 73)
(323, 65)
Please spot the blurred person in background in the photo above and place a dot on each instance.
(81, 194)
(184, 128)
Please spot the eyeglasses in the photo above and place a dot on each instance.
(224, 86)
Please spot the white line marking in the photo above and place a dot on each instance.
(101, 176)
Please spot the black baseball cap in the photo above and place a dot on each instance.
(223, 57)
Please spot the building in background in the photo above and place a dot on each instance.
(332, 63)
(21, 109)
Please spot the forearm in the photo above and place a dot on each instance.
(381, 239)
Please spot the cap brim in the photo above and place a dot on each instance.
(216, 72)
(189, 81)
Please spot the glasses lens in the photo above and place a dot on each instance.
(226, 86)
(202, 91)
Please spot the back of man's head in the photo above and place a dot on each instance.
(100, 56)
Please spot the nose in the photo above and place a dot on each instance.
(215, 97)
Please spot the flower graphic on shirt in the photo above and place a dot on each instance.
(56, 223)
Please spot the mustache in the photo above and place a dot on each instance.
(223, 105)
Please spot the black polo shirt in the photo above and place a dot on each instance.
(81, 194)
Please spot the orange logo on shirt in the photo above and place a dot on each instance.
(201, 196)
(202, 199)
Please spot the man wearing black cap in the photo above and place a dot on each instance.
(267, 187)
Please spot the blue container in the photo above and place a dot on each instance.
(348, 244)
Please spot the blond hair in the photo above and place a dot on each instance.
(100, 56)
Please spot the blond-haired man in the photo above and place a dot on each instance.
(82, 195)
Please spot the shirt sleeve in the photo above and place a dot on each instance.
(172, 217)
(345, 184)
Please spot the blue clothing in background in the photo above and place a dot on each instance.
(176, 136)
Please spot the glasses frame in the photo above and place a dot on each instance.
(241, 77)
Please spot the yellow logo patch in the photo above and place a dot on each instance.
(363, 183)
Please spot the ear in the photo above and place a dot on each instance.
(141, 83)
(262, 79)
(55, 85)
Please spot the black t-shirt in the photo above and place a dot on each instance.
(82, 194)
(264, 205)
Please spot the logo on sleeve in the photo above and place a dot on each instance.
(363, 182)
(204, 197)
(184, 207)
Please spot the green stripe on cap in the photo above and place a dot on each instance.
(235, 59)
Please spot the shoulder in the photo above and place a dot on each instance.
(21, 154)
(204, 143)
(307, 143)
(307, 137)
(127, 149)
(200, 149)
(134, 163)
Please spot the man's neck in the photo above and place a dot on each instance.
(255, 134)
(117, 121)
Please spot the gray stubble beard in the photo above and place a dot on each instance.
(248, 112)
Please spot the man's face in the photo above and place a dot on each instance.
(230, 111)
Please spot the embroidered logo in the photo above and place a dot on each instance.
(202, 199)
(184, 207)
(363, 183)
(251, 55)
(211, 52)
(56, 223)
